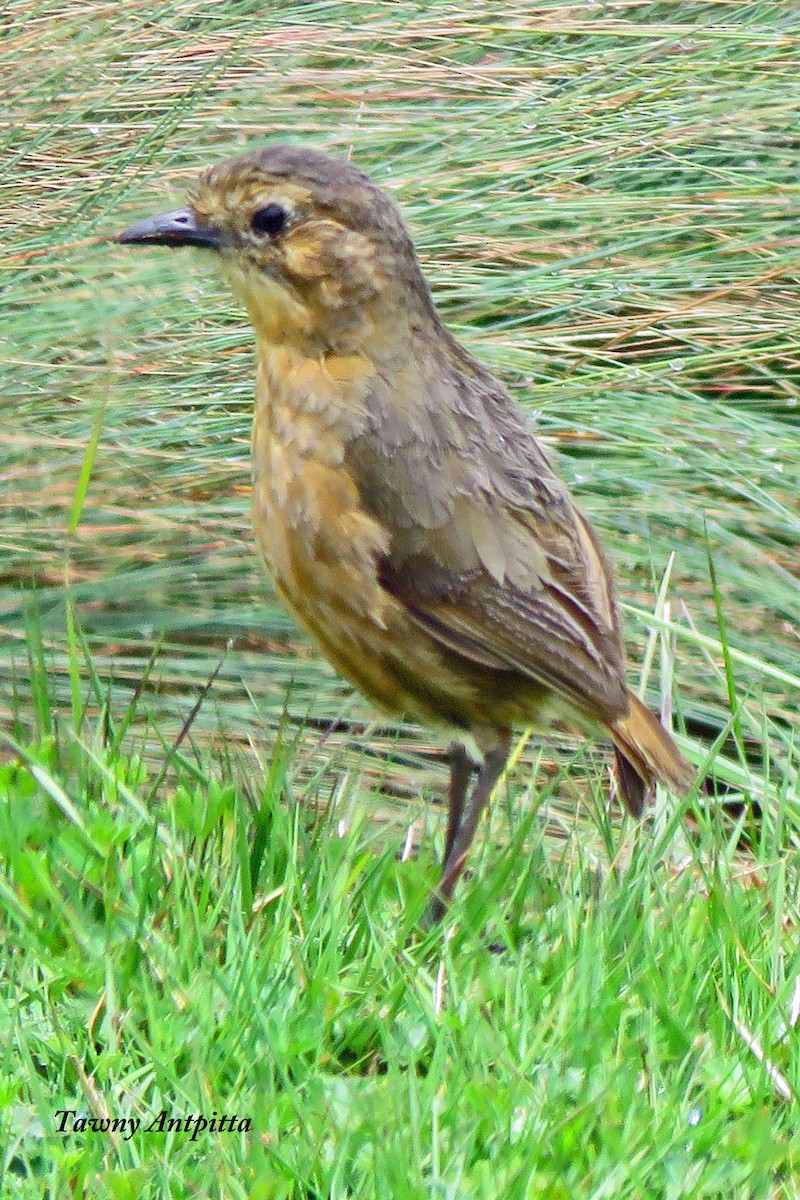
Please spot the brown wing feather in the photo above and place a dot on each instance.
(487, 549)
(544, 635)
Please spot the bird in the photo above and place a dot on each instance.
(409, 517)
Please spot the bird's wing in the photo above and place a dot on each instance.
(488, 552)
(552, 619)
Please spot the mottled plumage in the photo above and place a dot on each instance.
(406, 512)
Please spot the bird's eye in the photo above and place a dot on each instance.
(269, 220)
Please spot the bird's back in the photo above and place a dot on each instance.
(487, 549)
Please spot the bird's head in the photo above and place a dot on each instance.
(315, 250)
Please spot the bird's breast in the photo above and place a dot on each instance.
(324, 549)
(319, 545)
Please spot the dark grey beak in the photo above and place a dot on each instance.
(178, 228)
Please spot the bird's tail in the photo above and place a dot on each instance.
(646, 754)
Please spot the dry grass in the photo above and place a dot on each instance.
(605, 202)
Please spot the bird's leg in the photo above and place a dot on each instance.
(459, 839)
(461, 768)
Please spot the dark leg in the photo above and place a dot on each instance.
(461, 768)
(461, 840)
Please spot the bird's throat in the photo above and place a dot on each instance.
(278, 317)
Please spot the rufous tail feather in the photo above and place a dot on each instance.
(646, 754)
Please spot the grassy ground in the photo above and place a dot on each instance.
(212, 863)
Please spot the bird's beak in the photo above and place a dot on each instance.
(178, 228)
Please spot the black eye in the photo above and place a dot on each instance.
(269, 220)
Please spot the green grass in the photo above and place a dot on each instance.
(251, 948)
(212, 860)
